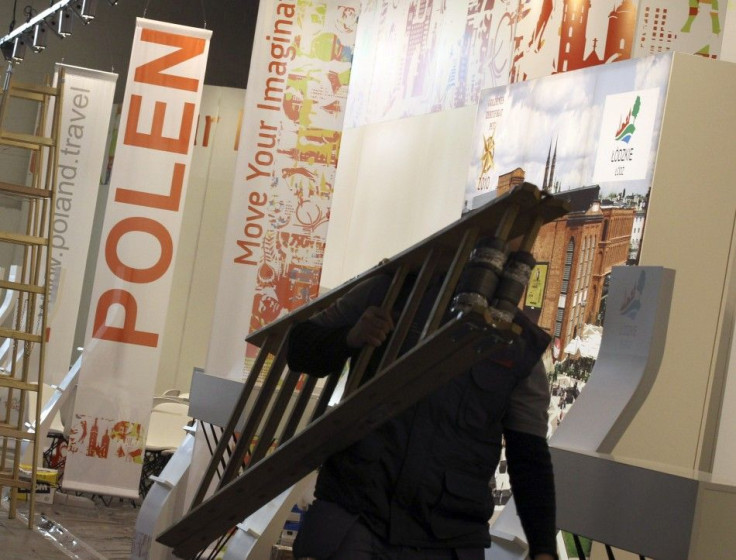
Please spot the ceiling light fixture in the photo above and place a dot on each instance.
(19, 49)
(7, 50)
(85, 9)
(39, 41)
(64, 22)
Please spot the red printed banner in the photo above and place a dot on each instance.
(138, 244)
(285, 172)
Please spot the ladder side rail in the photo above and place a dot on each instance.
(325, 396)
(281, 326)
(526, 196)
(212, 445)
(21, 335)
(454, 347)
(51, 108)
(255, 415)
(229, 430)
(442, 302)
(408, 313)
(531, 235)
(4, 102)
(212, 437)
(46, 175)
(300, 407)
(276, 414)
(357, 370)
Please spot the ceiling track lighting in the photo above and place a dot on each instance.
(58, 18)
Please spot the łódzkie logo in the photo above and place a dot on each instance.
(626, 135)
(632, 298)
(627, 128)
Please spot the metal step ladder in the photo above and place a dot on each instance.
(32, 137)
(277, 434)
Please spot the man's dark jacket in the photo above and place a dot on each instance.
(422, 478)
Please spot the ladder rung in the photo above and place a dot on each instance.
(23, 140)
(29, 95)
(20, 335)
(23, 239)
(13, 383)
(24, 190)
(8, 431)
(23, 89)
(15, 482)
(23, 145)
(18, 287)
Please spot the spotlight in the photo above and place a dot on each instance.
(7, 50)
(65, 22)
(113, 2)
(19, 49)
(61, 22)
(85, 9)
(39, 38)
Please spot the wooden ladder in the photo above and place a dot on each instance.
(283, 424)
(31, 244)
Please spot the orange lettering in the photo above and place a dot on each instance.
(164, 202)
(243, 259)
(127, 333)
(139, 275)
(156, 140)
(151, 72)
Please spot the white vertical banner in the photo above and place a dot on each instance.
(85, 118)
(292, 127)
(139, 239)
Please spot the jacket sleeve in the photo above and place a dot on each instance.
(532, 484)
(316, 349)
